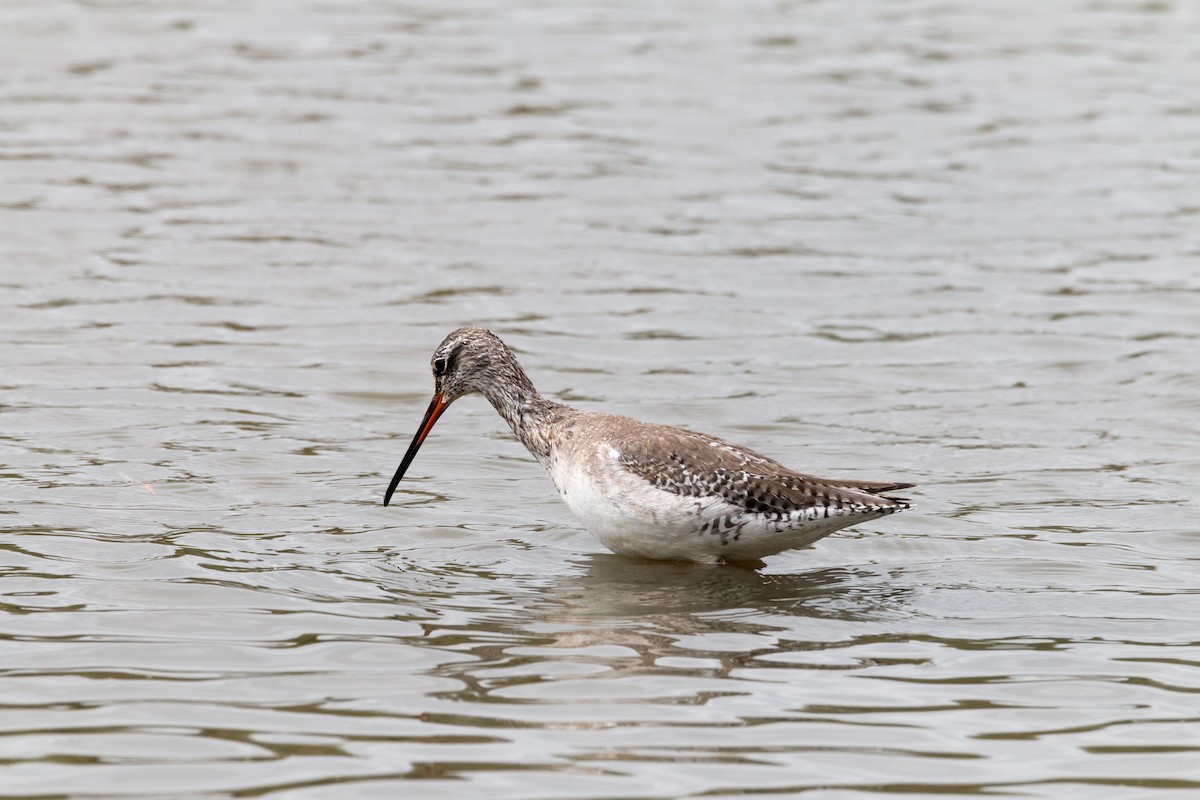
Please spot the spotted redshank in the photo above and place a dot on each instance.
(650, 490)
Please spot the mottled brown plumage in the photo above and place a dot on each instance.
(692, 464)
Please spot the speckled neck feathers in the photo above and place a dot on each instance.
(475, 360)
(530, 415)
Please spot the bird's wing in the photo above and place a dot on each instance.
(693, 464)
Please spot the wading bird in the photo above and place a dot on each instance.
(648, 490)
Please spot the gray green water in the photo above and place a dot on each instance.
(955, 242)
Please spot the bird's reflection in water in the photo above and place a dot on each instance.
(619, 587)
(662, 622)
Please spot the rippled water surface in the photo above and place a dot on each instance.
(953, 242)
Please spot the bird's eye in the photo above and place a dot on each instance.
(439, 367)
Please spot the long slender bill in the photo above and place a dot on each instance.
(436, 406)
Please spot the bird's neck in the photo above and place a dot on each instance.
(525, 410)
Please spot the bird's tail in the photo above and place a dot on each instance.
(878, 489)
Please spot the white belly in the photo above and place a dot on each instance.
(632, 517)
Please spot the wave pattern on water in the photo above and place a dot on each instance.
(947, 241)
